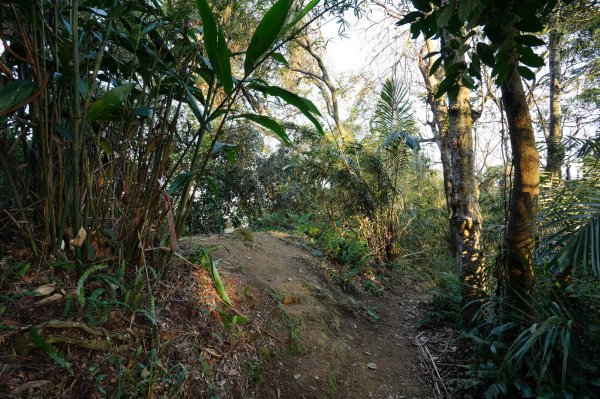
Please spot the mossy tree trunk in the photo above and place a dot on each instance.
(555, 152)
(526, 180)
(466, 215)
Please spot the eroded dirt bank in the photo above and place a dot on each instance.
(333, 344)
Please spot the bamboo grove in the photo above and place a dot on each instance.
(96, 101)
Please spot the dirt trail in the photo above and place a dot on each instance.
(332, 349)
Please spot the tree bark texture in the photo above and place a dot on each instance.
(525, 190)
(555, 152)
(466, 215)
(440, 127)
(441, 131)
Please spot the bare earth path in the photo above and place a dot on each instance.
(332, 349)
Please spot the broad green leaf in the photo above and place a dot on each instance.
(530, 24)
(445, 86)
(109, 106)
(422, 5)
(266, 33)
(435, 66)
(216, 46)
(429, 55)
(529, 40)
(180, 181)
(475, 66)
(468, 82)
(312, 4)
(270, 124)
(191, 101)
(15, 94)
(486, 54)
(526, 73)
(219, 147)
(532, 60)
(444, 15)
(466, 8)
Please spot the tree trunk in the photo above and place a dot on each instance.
(555, 152)
(441, 130)
(466, 215)
(525, 190)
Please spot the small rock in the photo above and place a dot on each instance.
(372, 366)
(296, 376)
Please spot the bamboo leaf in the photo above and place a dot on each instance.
(219, 283)
(312, 4)
(15, 94)
(280, 58)
(266, 34)
(270, 124)
(179, 181)
(304, 105)
(216, 46)
(109, 106)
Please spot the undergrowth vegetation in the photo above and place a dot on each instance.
(127, 125)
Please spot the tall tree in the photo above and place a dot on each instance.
(507, 49)
(439, 125)
(454, 135)
(555, 152)
(466, 215)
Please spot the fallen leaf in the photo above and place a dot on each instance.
(54, 298)
(45, 289)
(29, 385)
(79, 238)
(211, 352)
(372, 366)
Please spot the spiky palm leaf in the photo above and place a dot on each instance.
(571, 219)
(392, 113)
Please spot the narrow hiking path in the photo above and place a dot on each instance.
(335, 344)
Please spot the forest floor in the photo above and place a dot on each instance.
(340, 344)
(172, 337)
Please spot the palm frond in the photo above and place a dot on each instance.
(571, 223)
(393, 108)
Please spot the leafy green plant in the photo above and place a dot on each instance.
(51, 351)
(446, 303)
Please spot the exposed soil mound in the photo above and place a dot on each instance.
(334, 348)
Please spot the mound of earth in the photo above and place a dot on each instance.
(335, 345)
